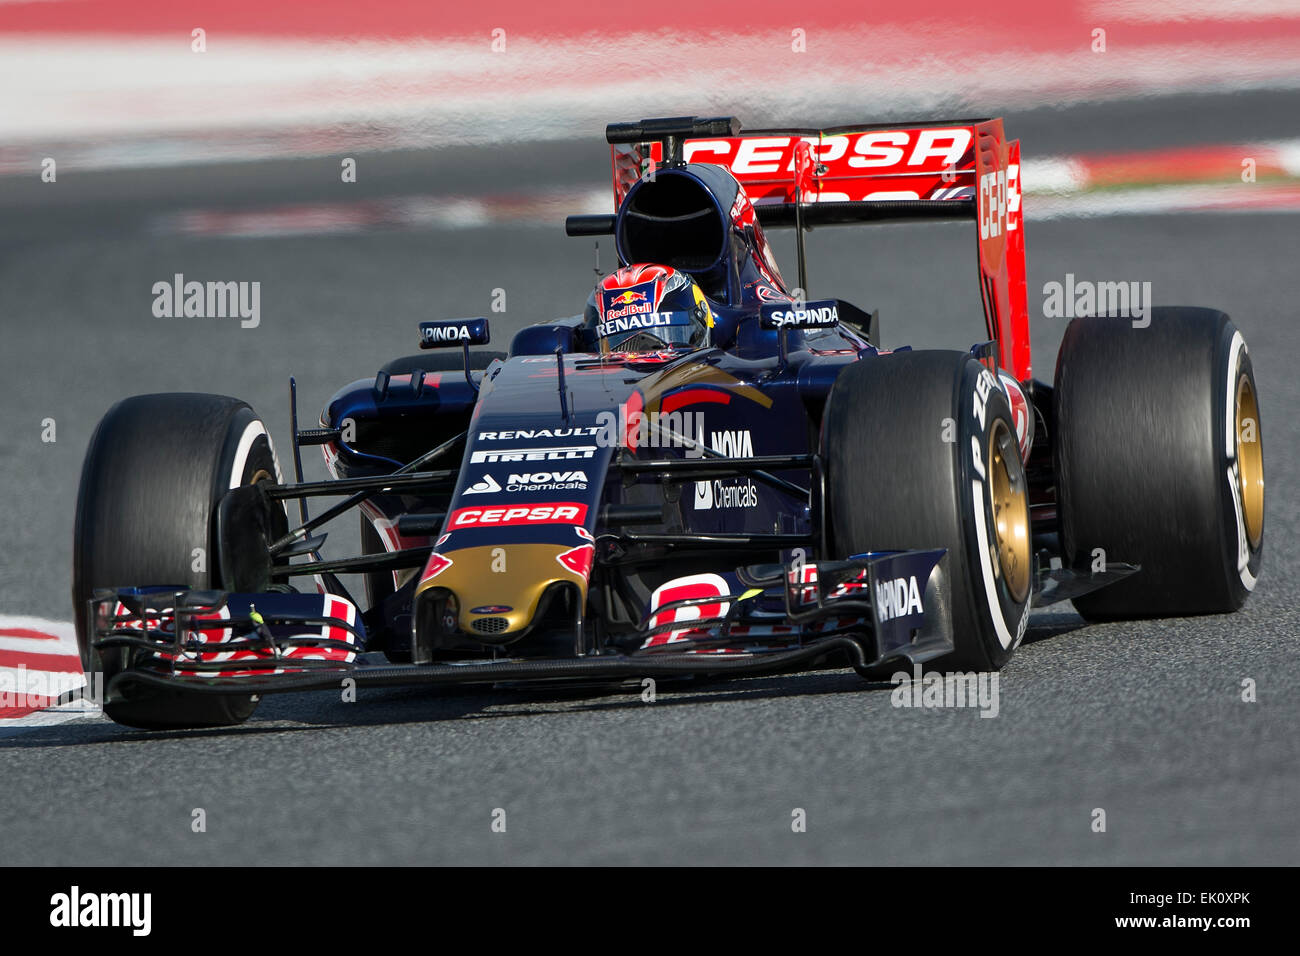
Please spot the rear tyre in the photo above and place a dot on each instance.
(920, 451)
(1159, 462)
(155, 470)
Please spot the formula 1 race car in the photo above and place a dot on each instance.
(704, 473)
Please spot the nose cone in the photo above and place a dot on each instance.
(498, 589)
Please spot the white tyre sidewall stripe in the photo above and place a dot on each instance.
(986, 566)
(252, 431)
(1236, 350)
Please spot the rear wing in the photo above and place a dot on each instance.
(953, 170)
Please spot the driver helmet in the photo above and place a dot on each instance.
(648, 308)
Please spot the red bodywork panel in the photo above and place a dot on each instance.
(944, 161)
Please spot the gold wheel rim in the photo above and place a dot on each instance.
(1010, 510)
(1250, 463)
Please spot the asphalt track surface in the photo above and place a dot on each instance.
(1142, 719)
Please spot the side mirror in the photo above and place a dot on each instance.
(454, 333)
(822, 314)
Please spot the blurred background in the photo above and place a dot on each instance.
(144, 139)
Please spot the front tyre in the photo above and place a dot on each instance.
(156, 468)
(920, 451)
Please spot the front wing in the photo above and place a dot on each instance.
(869, 609)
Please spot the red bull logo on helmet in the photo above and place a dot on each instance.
(638, 300)
(627, 297)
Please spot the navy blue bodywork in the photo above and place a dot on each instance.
(568, 513)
